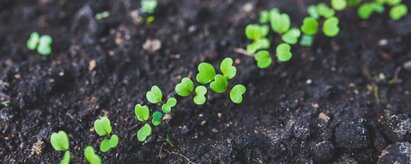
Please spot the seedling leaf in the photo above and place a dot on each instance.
(263, 43)
(339, 4)
(33, 41)
(105, 145)
(171, 102)
(60, 141)
(398, 11)
(310, 26)
(91, 156)
(236, 94)
(200, 98)
(284, 52)
(263, 59)
(154, 95)
(185, 87)
(148, 6)
(324, 10)
(256, 32)
(280, 22)
(114, 141)
(206, 73)
(144, 132)
(142, 112)
(312, 11)
(156, 120)
(330, 27)
(44, 47)
(102, 126)
(291, 36)
(306, 40)
(219, 85)
(227, 68)
(66, 158)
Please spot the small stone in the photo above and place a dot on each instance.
(92, 64)
(407, 65)
(38, 147)
(396, 153)
(323, 151)
(301, 130)
(152, 45)
(352, 134)
(184, 130)
(398, 128)
(324, 117)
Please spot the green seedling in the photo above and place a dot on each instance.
(291, 36)
(263, 59)
(398, 11)
(391, 2)
(102, 15)
(154, 95)
(236, 94)
(148, 6)
(330, 27)
(283, 52)
(142, 112)
(219, 85)
(103, 128)
(40, 43)
(265, 15)
(91, 156)
(227, 68)
(144, 132)
(367, 9)
(306, 40)
(324, 11)
(312, 12)
(206, 73)
(339, 4)
(280, 23)
(185, 87)
(156, 120)
(60, 142)
(200, 97)
(171, 102)
(258, 45)
(256, 32)
(310, 26)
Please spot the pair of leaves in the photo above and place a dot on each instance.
(142, 112)
(148, 6)
(156, 120)
(185, 87)
(200, 95)
(108, 144)
(263, 59)
(323, 10)
(207, 74)
(171, 102)
(367, 9)
(265, 16)
(263, 43)
(339, 4)
(306, 40)
(283, 52)
(236, 94)
(291, 36)
(154, 95)
(280, 22)
(310, 26)
(103, 126)
(144, 132)
(91, 156)
(256, 32)
(398, 11)
(60, 141)
(330, 27)
(220, 83)
(41, 43)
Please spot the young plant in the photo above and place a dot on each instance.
(236, 94)
(291, 36)
(200, 93)
(171, 102)
(103, 129)
(398, 11)
(91, 155)
(280, 22)
(330, 27)
(323, 10)
(155, 95)
(185, 87)
(220, 83)
(40, 43)
(310, 26)
(144, 132)
(263, 59)
(148, 6)
(206, 73)
(258, 34)
(143, 113)
(60, 142)
(339, 4)
(284, 52)
(367, 9)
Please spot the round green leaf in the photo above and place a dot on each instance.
(142, 112)
(148, 6)
(66, 158)
(339, 4)
(114, 141)
(280, 23)
(263, 43)
(185, 87)
(264, 16)
(284, 52)
(324, 10)
(171, 102)
(154, 95)
(291, 36)
(398, 11)
(306, 40)
(33, 41)
(310, 26)
(144, 132)
(102, 126)
(256, 32)
(60, 141)
(263, 59)
(312, 11)
(105, 145)
(91, 156)
(330, 27)
(219, 85)
(44, 47)
(200, 98)
(206, 73)
(227, 68)
(393, 2)
(236, 94)
(156, 120)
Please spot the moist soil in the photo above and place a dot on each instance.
(344, 99)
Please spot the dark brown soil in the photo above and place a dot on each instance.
(333, 102)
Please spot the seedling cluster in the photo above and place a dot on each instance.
(41, 44)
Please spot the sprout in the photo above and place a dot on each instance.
(156, 120)
(91, 155)
(398, 11)
(284, 52)
(227, 68)
(142, 112)
(144, 132)
(258, 44)
(41, 43)
(263, 59)
(310, 26)
(312, 11)
(185, 87)
(236, 94)
(264, 16)
(324, 10)
(291, 36)
(306, 40)
(330, 27)
(366, 9)
(154, 95)
(280, 23)
(339, 4)
(392, 2)
(60, 142)
(256, 32)
(200, 98)
(219, 85)
(206, 73)
(103, 128)
(148, 6)
(171, 102)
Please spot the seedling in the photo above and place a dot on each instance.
(144, 132)
(324, 11)
(236, 94)
(291, 36)
(312, 12)
(154, 95)
(263, 59)
(40, 43)
(280, 22)
(206, 73)
(157, 116)
(339, 4)
(91, 156)
(60, 142)
(171, 102)
(306, 40)
(398, 11)
(265, 15)
(367, 9)
(200, 97)
(227, 68)
(103, 128)
(142, 112)
(330, 27)
(310, 26)
(148, 6)
(256, 32)
(284, 52)
(220, 83)
(185, 87)
(258, 45)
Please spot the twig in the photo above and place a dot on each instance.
(242, 52)
(160, 155)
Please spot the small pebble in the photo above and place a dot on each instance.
(407, 65)
(396, 153)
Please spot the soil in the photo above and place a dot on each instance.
(334, 102)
